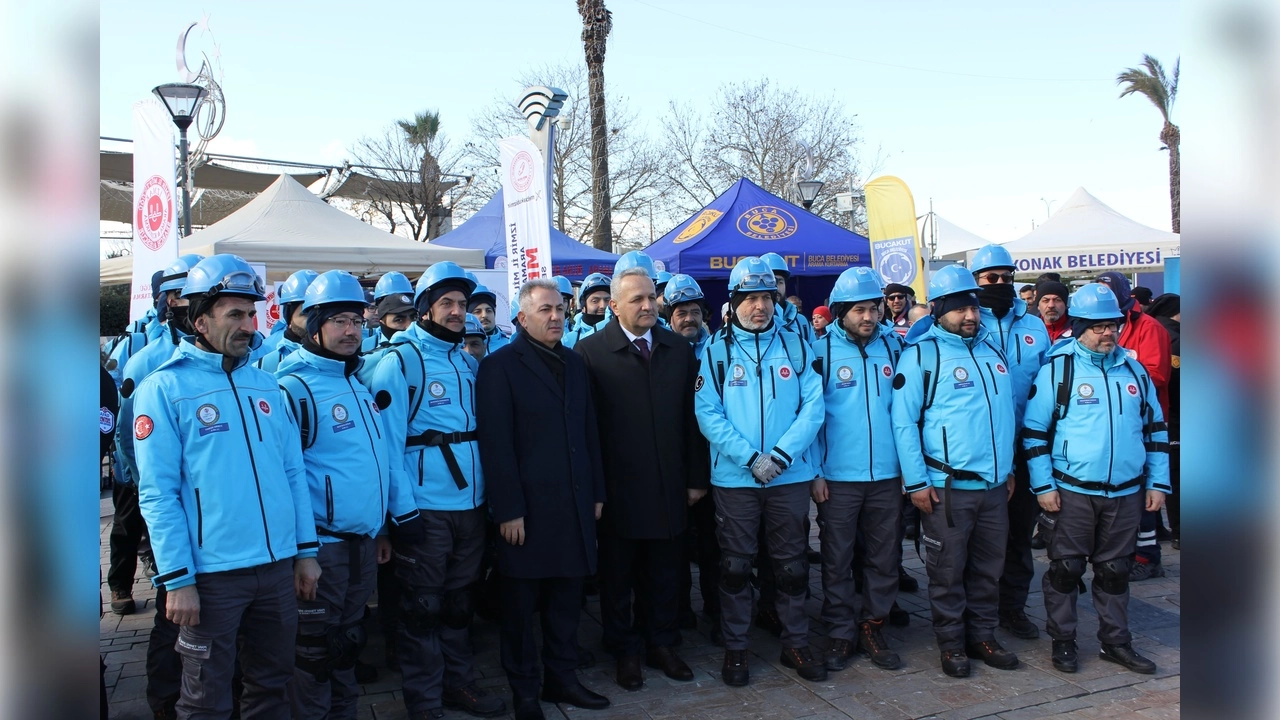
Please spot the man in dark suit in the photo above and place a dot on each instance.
(655, 462)
(540, 452)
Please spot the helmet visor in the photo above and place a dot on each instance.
(757, 282)
(675, 296)
(240, 282)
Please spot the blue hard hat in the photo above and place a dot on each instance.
(174, 277)
(682, 289)
(752, 274)
(295, 288)
(443, 272)
(224, 274)
(594, 282)
(392, 283)
(991, 256)
(1095, 301)
(482, 294)
(635, 258)
(664, 277)
(776, 263)
(950, 280)
(473, 326)
(566, 287)
(334, 286)
(856, 285)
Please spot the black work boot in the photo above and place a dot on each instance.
(871, 641)
(1019, 625)
(767, 619)
(1065, 657)
(803, 662)
(474, 701)
(838, 654)
(735, 671)
(991, 653)
(955, 663)
(1125, 655)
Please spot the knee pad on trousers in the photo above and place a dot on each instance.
(1112, 576)
(422, 612)
(457, 608)
(1065, 573)
(735, 572)
(345, 644)
(792, 575)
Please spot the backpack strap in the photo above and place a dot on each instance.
(304, 406)
(929, 377)
(415, 375)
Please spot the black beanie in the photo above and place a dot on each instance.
(892, 288)
(429, 298)
(955, 301)
(320, 314)
(1050, 287)
(156, 279)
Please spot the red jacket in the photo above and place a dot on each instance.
(1148, 342)
(1060, 329)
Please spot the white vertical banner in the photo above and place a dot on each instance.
(272, 315)
(262, 321)
(526, 224)
(155, 200)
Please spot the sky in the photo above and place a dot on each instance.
(985, 109)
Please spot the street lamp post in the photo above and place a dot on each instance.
(182, 100)
(808, 190)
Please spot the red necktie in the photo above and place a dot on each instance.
(643, 346)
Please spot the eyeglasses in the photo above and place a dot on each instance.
(343, 323)
(684, 294)
(240, 281)
(993, 278)
(895, 297)
(1104, 328)
(755, 282)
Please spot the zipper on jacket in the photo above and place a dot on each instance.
(946, 452)
(991, 421)
(366, 421)
(1065, 458)
(257, 482)
(993, 379)
(199, 521)
(420, 454)
(866, 395)
(255, 418)
(1121, 403)
(760, 384)
(328, 499)
(1111, 429)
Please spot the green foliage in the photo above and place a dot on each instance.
(113, 310)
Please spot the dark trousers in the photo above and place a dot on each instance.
(259, 606)
(1019, 566)
(388, 598)
(964, 563)
(560, 609)
(785, 513)
(706, 552)
(128, 531)
(347, 576)
(164, 664)
(872, 510)
(1099, 529)
(448, 562)
(649, 570)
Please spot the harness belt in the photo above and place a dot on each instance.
(442, 440)
(353, 549)
(951, 473)
(1095, 486)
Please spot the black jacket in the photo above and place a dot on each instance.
(541, 457)
(653, 450)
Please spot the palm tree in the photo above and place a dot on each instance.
(1150, 81)
(597, 23)
(419, 133)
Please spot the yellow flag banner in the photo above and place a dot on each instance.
(895, 239)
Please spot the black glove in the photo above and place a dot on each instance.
(410, 532)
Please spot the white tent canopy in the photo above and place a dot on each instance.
(1086, 236)
(287, 228)
(953, 239)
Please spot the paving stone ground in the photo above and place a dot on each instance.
(917, 690)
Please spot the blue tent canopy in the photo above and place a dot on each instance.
(746, 220)
(483, 231)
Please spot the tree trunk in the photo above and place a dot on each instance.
(601, 211)
(1172, 139)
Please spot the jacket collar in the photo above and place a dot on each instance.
(302, 357)
(523, 346)
(937, 332)
(204, 359)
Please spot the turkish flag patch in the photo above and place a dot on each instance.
(142, 427)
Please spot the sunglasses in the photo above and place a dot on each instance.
(993, 278)
(896, 297)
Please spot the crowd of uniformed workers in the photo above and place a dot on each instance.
(400, 440)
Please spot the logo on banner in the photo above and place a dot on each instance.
(154, 214)
(521, 171)
(767, 222)
(896, 266)
(273, 310)
(700, 223)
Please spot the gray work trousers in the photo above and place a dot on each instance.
(1100, 529)
(348, 571)
(259, 606)
(785, 509)
(964, 563)
(875, 509)
(445, 565)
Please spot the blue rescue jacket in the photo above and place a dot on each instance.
(142, 364)
(1024, 341)
(579, 330)
(789, 318)
(280, 348)
(344, 448)
(431, 418)
(496, 339)
(221, 482)
(856, 441)
(756, 393)
(1094, 426)
(378, 339)
(130, 342)
(953, 411)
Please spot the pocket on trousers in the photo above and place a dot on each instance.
(313, 616)
(932, 550)
(196, 650)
